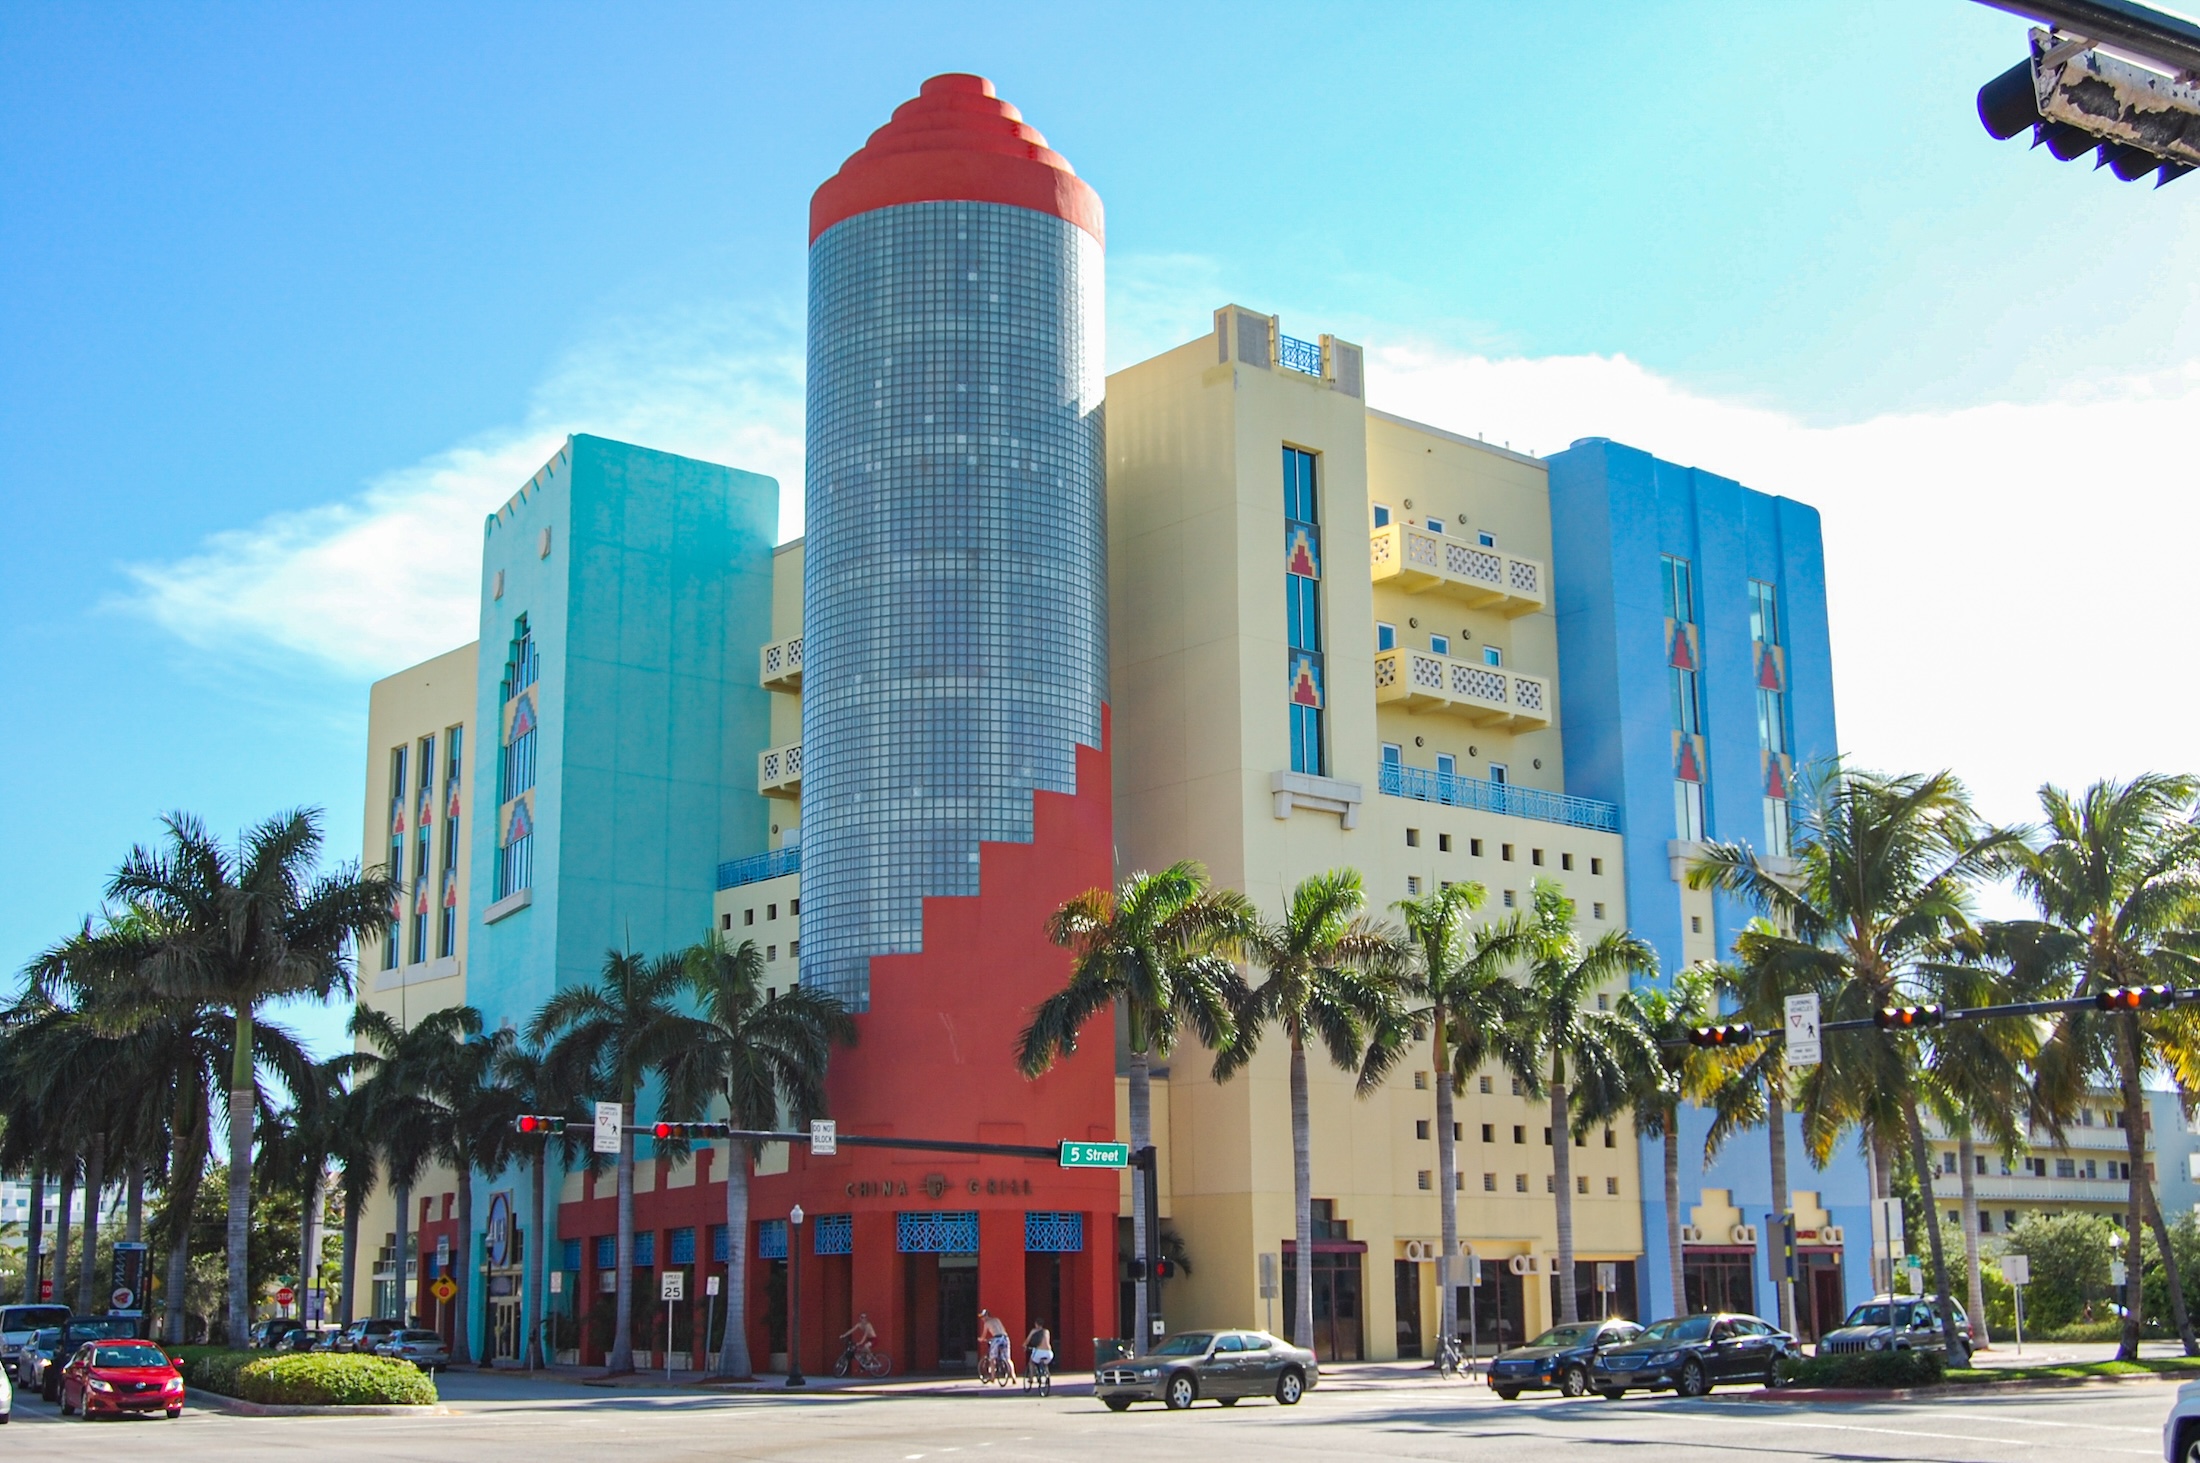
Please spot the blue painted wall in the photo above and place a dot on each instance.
(1615, 511)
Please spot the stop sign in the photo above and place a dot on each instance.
(285, 1296)
(45, 1289)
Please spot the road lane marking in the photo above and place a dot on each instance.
(1904, 1432)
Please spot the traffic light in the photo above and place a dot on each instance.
(1733, 1033)
(1163, 1267)
(2076, 100)
(2135, 997)
(687, 1132)
(1136, 1268)
(1908, 1018)
(533, 1123)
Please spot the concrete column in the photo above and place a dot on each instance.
(1001, 1268)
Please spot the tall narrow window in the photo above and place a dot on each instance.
(1684, 665)
(424, 821)
(392, 946)
(1302, 555)
(1769, 658)
(516, 778)
(446, 940)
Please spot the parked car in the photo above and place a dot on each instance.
(118, 1377)
(19, 1323)
(269, 1335)
(43, 1358)
(1692, 1354)
(7, 1396)
(32, 1357)
(2181, 1429)
(1558, 1360)
(1224, 1365)
(424, 1349)
(367, 1335)
(1899, 1323)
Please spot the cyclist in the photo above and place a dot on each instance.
(860, 1337)
(999, 1365)
(1039, 1351)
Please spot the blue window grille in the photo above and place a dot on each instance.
(683, 1247)
(936, 1232)
(607, 1251)
(1052, 1232)
(1299, 355)
(572, 1255)
(771, 1239)
(1303, 612)
(645, 1250)
(836, 1235)
(718, 1246)
(1454, 791)
(759, 866)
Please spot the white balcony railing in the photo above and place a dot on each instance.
(1997, 1187)
(1488, 694)
(779, 665)
(779, 771)
(1421, 562)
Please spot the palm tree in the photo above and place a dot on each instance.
(474, 1130)
(1666, 1015)
(1878, 886)
(2117, 877)
(617, 1031)
(1158, 946)
(527, 1069)
(764, 1057)
(1584, 1060)
(406, 1122)
(1330, 976)
(1470, 1011)
(232, 929)
(356, 1153)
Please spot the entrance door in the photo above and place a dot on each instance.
(1337, 1311)
(958, 1312)
(1406, 1282)
(1826, 1294)
(505, 1327)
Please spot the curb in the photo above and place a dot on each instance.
(206, 1401)
(1948, 1389)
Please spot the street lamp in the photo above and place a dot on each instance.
(794, 1298)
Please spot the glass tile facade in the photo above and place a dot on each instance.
(1302, 598)
(955, 567)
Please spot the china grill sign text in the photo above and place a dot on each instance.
(933, 1185)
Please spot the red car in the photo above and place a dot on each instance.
(120, 1376)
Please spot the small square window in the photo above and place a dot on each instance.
(725, 921)
(1439, 644)
(1458, 1183)
(1458, 1132)
(1382, 515)
(1508, 899)
(1695, 924)
(1581, 1183)
(771, 952)
(1420, 1179)
(1413, 883)
(1505, 852)
(1519, 1088)
(748, 916)
(1535, 856)
(1386, 636)
(1489, 1183)
(1489, 1132)
(1604, 1002)
(1596, 866)
(1485, 1085)
(1420, 1081)
(794, 948)
(1546, 1137)
(1520, 1183)
(1413, 838)
(1581, 1140)
(1596, 910)
(1420, 1129)
(1491, 655)
(1611, 1139)
(1550, 1183)
(1474, 847)
(1486, 539)
(1520, 1133)
(1443, 843)
(1566, 862)
(1435, 525)
(794, 907)
(1611, 1186)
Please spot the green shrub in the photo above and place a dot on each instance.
(1865, 1369)
(349, 1380)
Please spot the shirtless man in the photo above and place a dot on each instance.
(993, 1345)
(860, 1336)
(1039, 1351)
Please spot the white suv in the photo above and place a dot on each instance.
(2181, 1429)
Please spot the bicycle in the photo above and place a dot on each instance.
(1039, 1374)
(995, 1368)
(868, 1360)
(1450, 1360)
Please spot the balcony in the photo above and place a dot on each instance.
(779, 665)
(756, 868)
(779, 771)
(1453, 791)
(1486, 694)
(1998, 1187)
(1421, 562)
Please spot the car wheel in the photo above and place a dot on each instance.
(1117, 1404)
(1573, 1382)
(1611, 1394)
(1961, 1356)
(1227, 1401)
(1693, 1381)
(1181, 1393)
(1509, 1394)
(66, 1409)
(2189, 1452)
(1290, 1387)
(174, 1413)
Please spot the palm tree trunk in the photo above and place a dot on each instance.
(733, 1348)
(241, 1093)
(34, 1265)
(402, 1194)
(186, 1170)
(310, 1229)
(1447, 1184)
(622, 1336)
(462, 1322)
(1879, 1174)
(1776, 1139)
(1141, 1096)
(1673, 1253)
(350, 1260)
(133, 1214)
(95, 1179)
(1921, 1160)
(1302, 1200)
(61, 1236)
(536, 1283)
(1975, 1287)
(2127, 1073)
(1562, 1185)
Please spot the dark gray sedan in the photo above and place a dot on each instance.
(1224, 1365)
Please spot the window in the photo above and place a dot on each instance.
(1439, 644)
(1420, 1179)
(1420, 1129)
(1520, 1183)
(1518, 1089)
(2066, 1168)
(1443, 843)
(1611, 1185)
(1458, 1132)
(1446, 765)
(1489, 1183)
(1520, 1133)
(516, 775)
(1947, 1163)
(1386, 636)
(794, 907)
(1596, 866)
(1535, 856)
(1604, 1002)
(1695, 924)
(1435, 525)
(1491, 655)
(1498, 773)
(1566, 862)
(1382, 515)
(1413, 884)
(1546, 1137)
(1980, 1160)
(1420, 1081)
(771, 911)
(748, 916)
(1474, 847)
(1505, 852)
(1485, 1086)
(725, 921)
(1611, 1138)
(1683, 664)
(1550, 1183)
(1581, 1183)
(1413, 838)
(1486, 539)
(1509, 899)
(1769, 665)
(454, 765)
(1596, 911)
(392, 947)
(1394, 757)
(1303, 612)
(771, 952)
(1489, 1130)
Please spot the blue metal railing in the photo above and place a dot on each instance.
(1454, 791)
(1299, 355)
(760, 866)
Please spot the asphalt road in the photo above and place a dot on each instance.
(495, 1420)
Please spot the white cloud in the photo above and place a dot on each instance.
(391, 575)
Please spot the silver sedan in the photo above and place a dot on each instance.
(1224, 1365)
(424, 1349)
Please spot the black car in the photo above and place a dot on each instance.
(1557, 1360)
(1692, 1354)
(72, 1334)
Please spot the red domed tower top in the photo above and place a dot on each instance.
(957, 141)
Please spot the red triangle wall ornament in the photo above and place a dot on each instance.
(1683, 657)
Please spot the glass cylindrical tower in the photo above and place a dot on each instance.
(955, 571)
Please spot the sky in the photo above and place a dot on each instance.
(292, 296)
